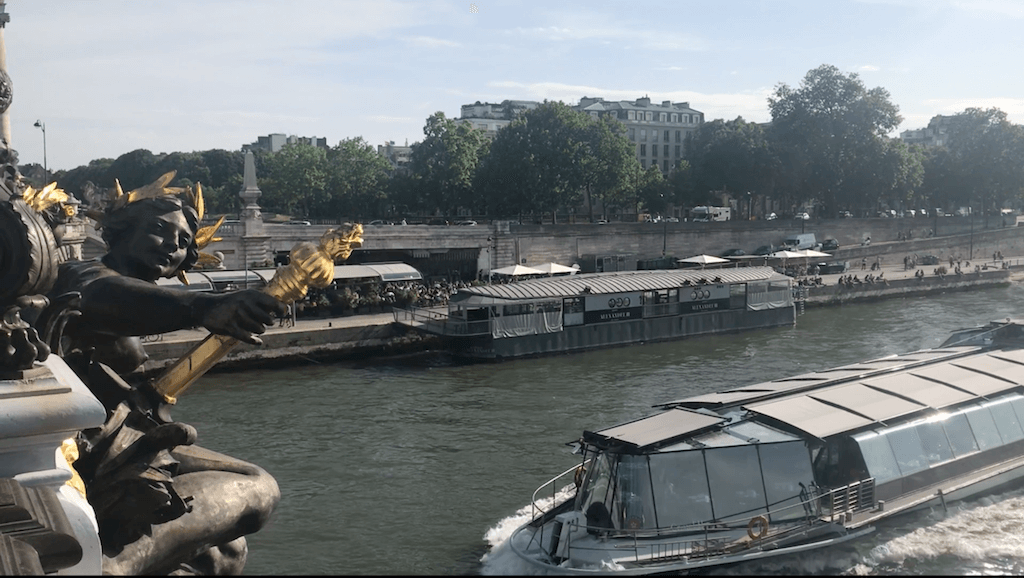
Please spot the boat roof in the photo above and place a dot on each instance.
(843, 400)
(616, 282)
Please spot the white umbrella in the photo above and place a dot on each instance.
(814, 254)
(703, 260)
(786, 254)
(517, 271)
(555, 268)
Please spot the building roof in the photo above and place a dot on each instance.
(616, 282)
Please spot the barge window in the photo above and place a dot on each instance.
(907, 447)
(984, 427)
(595, 498)
(680, 488)
(961, 440)
(933, 440)
(1006, 421)
(878, 457)
(734, 474)
(785, 467)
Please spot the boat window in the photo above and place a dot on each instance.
(634, 509)
(680, 488)
(595, 499)
(958, 431)
(761, 433)
(878, 457)
(906, 446)
(933, 440)
(984, 427)
(1018, 408)
(787, 475)
(1006, 421)
(734, 475)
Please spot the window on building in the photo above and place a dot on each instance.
(643, 163)
(675, 117)
(631, 115)
(643, 134)
(662, 117)
(686, 118)
(649, 116)
(677, 151)
(643, 150)
(654, 150)
(593, 113)
(679, 136)
(666, 136)
(664, 150)
(632, 134)
(665, 164)
(654, 135)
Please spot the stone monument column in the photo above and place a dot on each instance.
(5, 119)
(254, 242)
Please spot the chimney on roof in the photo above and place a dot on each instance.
(666, 103)
(643, 101)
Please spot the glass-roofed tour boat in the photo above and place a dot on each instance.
(788, 465)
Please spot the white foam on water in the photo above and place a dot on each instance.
(981, 530)
(501, 560)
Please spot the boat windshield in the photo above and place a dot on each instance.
(677, 489)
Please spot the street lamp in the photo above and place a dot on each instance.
(46, 174)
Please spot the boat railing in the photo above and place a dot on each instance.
(440, 322)
(812, 507)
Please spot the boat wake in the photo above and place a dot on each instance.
(501, 560)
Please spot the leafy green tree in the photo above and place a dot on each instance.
(734, 156)
(554, 158)
(295, 180)
(357, 179)
(985, 151)
(445, 163)
(825, 132)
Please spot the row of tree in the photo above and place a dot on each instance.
(826, 146)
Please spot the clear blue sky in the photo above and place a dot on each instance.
(111, 76)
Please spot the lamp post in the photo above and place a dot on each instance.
(46, 174)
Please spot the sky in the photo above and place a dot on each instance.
(106, 77)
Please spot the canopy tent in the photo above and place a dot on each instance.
(555, 269)
(517, 271)
(702, 260)
(812, 254)
(786, 254)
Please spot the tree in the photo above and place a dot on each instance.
(731, 156)
(554, 157)
(985, 152)
(357, 179)
(295, 179)
(445, 163)
(825, 132)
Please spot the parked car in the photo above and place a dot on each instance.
(831, 268)
(733, 252)
(803, 217)
(764, 250)
(829, 245)
(771, 217)
(845, 215)
(300, 223)
(928, 260)
(466, 223)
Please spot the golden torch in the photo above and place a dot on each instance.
(309, 266)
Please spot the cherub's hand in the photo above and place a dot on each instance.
(20, 345)
(240, 314)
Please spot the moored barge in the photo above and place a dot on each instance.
(579, 312)
(789, 465)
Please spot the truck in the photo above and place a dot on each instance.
(705, 213)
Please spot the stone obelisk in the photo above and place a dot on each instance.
(5, 119)
(254, 240)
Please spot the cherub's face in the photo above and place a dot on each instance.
(155, 247)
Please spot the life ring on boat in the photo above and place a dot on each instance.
(757, 528)
(578, 478)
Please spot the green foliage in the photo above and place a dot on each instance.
(731, 156)
(825, 133)
(445, 163)
(357, 180)
(985, 152)
(295, 180)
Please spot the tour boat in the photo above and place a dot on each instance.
(579, 312)
(788, 465)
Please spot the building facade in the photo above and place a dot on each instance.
(400, 157)
(274, 142)
(934, 135)
(658, 130)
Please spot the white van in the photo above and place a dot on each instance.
(800, 241)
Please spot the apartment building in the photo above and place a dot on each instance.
(935, 134)
(400, 157)
(658, 130)
(490, 117)
(274, 142)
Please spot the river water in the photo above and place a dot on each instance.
(423, 465)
